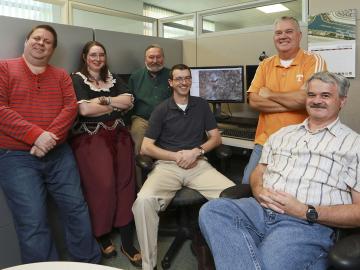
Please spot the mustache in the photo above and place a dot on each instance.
(155, 64)
(318, 106)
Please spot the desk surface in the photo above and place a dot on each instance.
(238, 143)
(239, 121)
(61, 266)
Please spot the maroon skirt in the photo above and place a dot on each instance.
(107, 170)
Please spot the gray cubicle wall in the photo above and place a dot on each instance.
(9, 249)
(127, 50)
(70, 40)
(125, 54)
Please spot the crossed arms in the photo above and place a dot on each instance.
(272, 102)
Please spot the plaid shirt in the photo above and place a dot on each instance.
(318, 168)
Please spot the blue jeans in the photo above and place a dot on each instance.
(26, 181)
(253, 161)
(243, 235)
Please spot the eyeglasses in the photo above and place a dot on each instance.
(97, 55)
(182, 79)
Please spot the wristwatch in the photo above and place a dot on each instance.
(311, 214)
(202, 151)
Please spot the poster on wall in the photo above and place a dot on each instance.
(333, 36)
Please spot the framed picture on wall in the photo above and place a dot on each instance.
(333, 36)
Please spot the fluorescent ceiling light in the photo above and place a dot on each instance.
(272, 8)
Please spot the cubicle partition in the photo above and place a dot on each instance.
(9, 248)
(125, 53)
(70, 41)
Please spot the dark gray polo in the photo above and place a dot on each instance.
(174, 129)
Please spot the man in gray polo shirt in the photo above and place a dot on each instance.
(175, 139)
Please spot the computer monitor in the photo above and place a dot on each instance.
(221, 84)
(250, 73)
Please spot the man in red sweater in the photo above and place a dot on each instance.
(37, 108)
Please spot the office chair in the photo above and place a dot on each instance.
(186, 205)
(344, 255)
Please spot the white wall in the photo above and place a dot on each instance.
(112, 23)
(132, 6)
(105, 22)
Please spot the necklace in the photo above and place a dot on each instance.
(94, 77)
(95, 80)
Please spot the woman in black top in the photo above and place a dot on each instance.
(104, 150)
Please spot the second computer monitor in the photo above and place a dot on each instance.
(250, 74)
(218, 84)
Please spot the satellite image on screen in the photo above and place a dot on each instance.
(221, 84)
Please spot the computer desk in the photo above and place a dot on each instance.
(237, 121)
(238, 143)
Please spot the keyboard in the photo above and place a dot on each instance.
(242, 133)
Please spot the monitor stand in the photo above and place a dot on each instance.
(217, 112)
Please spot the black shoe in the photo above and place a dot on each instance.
(202, 252)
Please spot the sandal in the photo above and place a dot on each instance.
(135, 260)
(109, 252)
(108, 249)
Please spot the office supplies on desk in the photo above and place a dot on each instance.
(242, 133)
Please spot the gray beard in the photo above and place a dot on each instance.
(154, 69)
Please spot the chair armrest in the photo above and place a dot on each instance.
(223, 152)
(345, 254)
(146, 163)
(237, 192)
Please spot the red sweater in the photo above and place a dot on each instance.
(31, 104)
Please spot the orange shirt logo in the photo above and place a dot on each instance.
(299, 77)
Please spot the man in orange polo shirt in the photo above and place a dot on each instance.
(277, 88)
